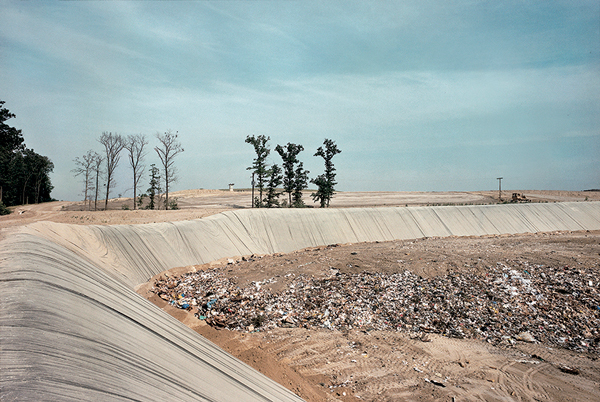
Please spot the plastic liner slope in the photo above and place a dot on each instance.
(134, 253)
(72, 328)
(69, 331)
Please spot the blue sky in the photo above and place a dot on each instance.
(418, 95)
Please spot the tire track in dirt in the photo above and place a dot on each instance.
(381, 365)
(388, 369)
(508, 382)
(584, 386)
(535, 388)
(454, 363)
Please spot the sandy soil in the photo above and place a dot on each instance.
(375, 365)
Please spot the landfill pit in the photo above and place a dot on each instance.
(510, 292)
(558, 306)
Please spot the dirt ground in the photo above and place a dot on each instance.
(376, 365)
(382, 365)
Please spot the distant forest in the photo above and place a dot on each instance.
(24, 174)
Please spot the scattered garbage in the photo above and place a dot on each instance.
(569, 370)
(439, 384)
(525, 337)
(512, 301)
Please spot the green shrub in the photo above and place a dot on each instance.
(3, 209)
(173, 203)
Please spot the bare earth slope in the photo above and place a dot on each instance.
(73, 329)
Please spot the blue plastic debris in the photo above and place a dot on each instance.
(210, 304)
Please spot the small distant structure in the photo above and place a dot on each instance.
(518, 197)
(231, 186)
(499, 187)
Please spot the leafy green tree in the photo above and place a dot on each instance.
(43, 167)
(259, 165)
(154, 188)
(326, 182)
(323, 190)
(300, 183)
(26, 171)
(113, 145)
(24, 174)
(289, 155)
(10, 138)
(275, 179)
(11, 142)
(30, 175)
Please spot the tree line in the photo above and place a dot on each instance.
(98, 169)
(291, 176)
(24, 174)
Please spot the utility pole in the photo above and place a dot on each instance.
(500, 188)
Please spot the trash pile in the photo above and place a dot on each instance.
(532, 303)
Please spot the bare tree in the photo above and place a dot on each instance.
(85, 167)
(98, 159)
(135, 144)
(113, 145)
(168, 149)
